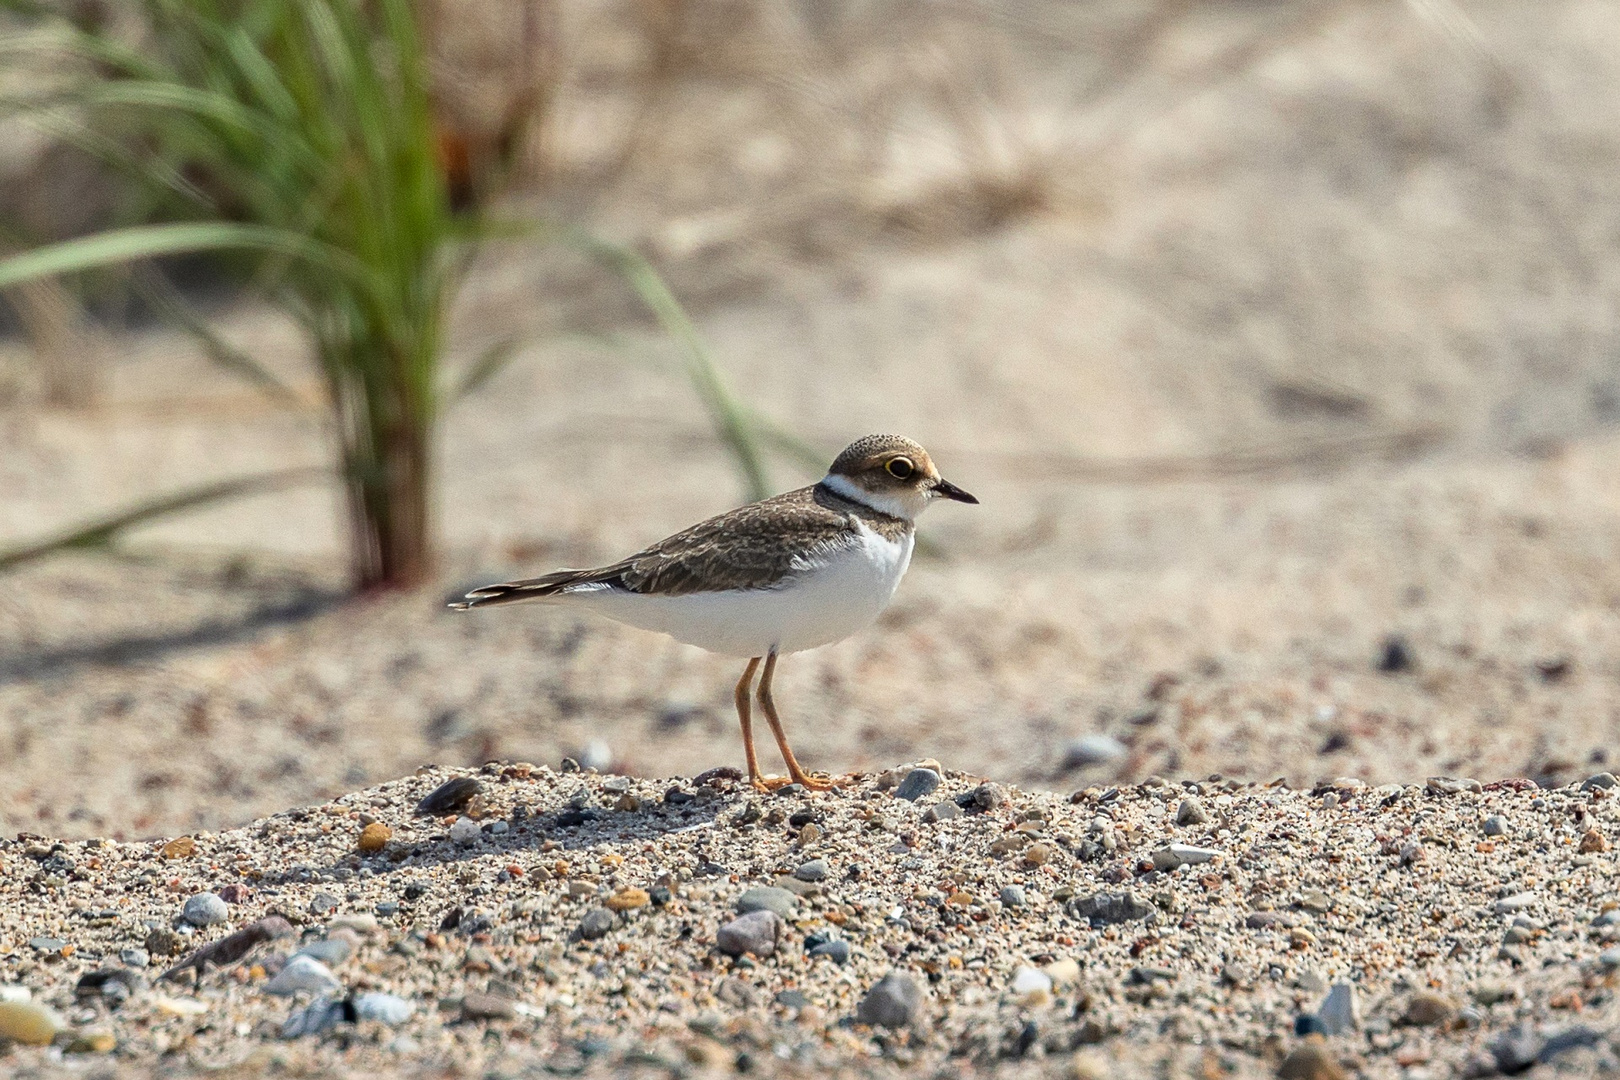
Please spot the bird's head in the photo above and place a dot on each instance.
(891, 474)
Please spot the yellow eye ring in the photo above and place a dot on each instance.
(900, 468)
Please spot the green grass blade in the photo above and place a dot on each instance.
(103, 530)
(152, 241)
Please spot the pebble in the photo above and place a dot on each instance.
(1093, 750)
(316, 1017)
(1111, 908)
(331, 950)
(1175, 856)
(1012, 896)
(628, 899)
(987, 796)
(768, 898)
(1311, 1061)
(303, 973)
(1191, 812)
(181, 847)
(756, 932)
(323, 903)
(487, 1007)
(918, 782)
(205, 909)
(29, 1023)
(1599, 781)
(596, 923)
(14, 993)
(1032, 987)
(942, 811)
(837, 950)
(374, 837)
(1340, 1012)
(814, 870)
(1495, 825)
(163, 942)
(893, 1002)
(1428, 1009)
(359, 923)
(1507, 905)
(1451, 785)
(465, 831)
(133, 957)
(451, 797)
(1064, 972)
(1610, 958)
(386, 1009)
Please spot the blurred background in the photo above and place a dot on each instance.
(1280, 341)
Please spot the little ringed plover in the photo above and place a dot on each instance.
(782, 575)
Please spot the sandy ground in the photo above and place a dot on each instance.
(582, 923)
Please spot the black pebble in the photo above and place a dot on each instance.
(450, 796)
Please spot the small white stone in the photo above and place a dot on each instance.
(1173, 856)
(465, 831)
(1032, 987)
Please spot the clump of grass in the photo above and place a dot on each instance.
(302, 131)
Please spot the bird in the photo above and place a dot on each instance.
(782, 575)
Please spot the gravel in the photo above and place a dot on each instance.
(660, 933)
(918, 782)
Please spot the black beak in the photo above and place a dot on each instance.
(947, 490)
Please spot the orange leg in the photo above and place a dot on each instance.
(768, 703)
(744, 688)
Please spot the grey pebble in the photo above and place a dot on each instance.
(1093, 750)
(315, 1018)
(1012, 896)
(918, 782)
(303, 973)
(1341, 1012)
(330, 951)
(1175, 856)
(837, 950)
(487, 1007)
(814, 870)
(204, 909)
(892, 1002)
(596, 923)
(1191, 812)
(756, 932)
(133, 957)
(942, 811)
(323, 903)
(1111, 907)
(1604, 780)
(1517, 902)
(1495, 825)
(768, 898)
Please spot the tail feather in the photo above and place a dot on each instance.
(512, 592)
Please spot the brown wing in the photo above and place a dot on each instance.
(751, 547)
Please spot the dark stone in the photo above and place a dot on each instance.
(792, 999)
(596, 923)
(892, 1002)
(1309, 1024)
(1104, 908)
(576, 816)
(1395, 656)
(677, 797)
(450, 797)
(838, 951)
(113, 985)
(918, 782)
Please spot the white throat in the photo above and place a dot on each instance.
(901, 506)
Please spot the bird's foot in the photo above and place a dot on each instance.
(765, 785)
(823, 782)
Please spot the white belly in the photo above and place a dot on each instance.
(823, 603)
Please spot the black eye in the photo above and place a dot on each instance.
(900, 468)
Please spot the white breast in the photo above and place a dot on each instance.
(828, 598)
